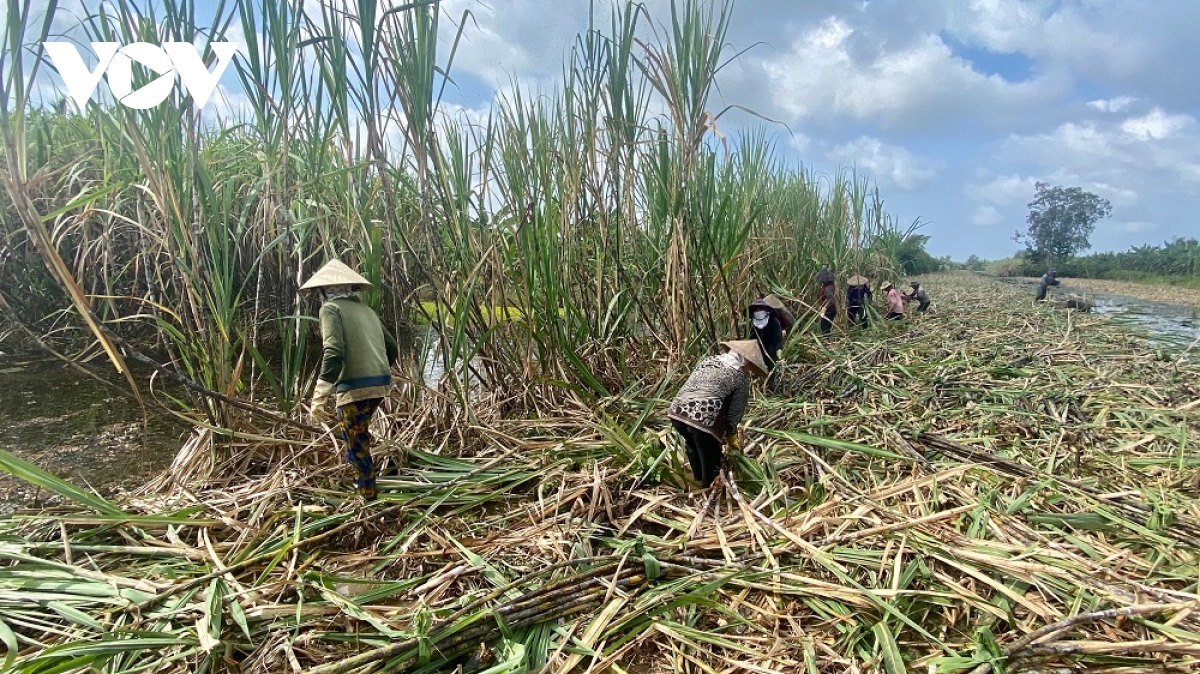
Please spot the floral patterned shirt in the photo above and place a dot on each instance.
(713, 399)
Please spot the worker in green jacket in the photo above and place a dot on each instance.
(356, 365)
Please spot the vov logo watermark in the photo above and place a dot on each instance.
(117, 62)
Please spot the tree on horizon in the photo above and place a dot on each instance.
(1061, 221)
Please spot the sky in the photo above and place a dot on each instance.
(955, 108)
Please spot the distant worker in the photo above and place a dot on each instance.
(710, 405)
(895, 302)
(356, 359)
(770, 324)
(858, 298)
(919, 296)
(1050, 278)
(827, 300)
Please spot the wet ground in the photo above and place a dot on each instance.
(76, 428)
(1173, 324)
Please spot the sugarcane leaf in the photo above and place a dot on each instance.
(832, 443)
(9, 639)
(74, 615)
(490, 572)
(34, 475)
(354, 610)
(885, 641)
(239, 615)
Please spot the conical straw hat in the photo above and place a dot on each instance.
(773, 302)
(748, 349)
(770, 302)
(824, 276)
(857, 280)
(334, 273)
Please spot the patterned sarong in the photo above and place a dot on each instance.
(354, 430)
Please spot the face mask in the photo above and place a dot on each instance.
(760, 317)
(331, 293)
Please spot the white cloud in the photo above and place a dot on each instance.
(1155, 125)
(506, 38)
(832, 72)
(1121, 159)
(1118, 104)
(1013, 190)
(1117, 195)
(800, 142)
(475, 116)
(986, 216)
(1003, 190)
(1048, 30)
(891, 165)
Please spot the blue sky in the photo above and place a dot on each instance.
(954, 107)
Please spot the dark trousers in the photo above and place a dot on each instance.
(827, 320)
(1041, 293)
(354, 421)
(857, 316)
(703, 452)
(894, 316)
(922, 306)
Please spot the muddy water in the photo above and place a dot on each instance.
(1170, 324)
(77, 428)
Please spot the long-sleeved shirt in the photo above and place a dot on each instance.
(919, 295)
(828, 298)
(769, 338)
(895, 301)
(858, 296)
(713, 399)
(1044, 285)
(357, 353)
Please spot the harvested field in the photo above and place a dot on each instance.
(995, 486)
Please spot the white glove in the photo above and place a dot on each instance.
(319, 411)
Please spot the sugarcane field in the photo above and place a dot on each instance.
(598, 336)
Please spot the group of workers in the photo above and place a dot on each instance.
(858, 298)
(708, 409)
(358, 353)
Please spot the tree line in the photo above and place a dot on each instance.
(1060, 224)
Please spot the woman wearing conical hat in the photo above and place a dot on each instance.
(858, 298)
(710, 405)
(895, 302)
(356, 365)
(770, 323)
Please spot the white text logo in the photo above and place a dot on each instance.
(117, 61)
